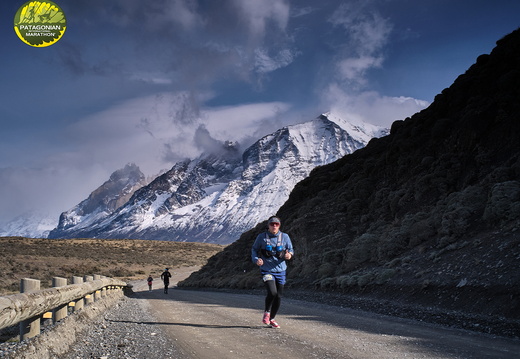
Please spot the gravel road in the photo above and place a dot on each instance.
(200, 324)
(210, 324)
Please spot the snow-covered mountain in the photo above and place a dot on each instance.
(31, 224)
(103, 201)
(217, 196)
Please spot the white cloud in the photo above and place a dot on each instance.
(301, 11)
(258, 14)
(151, 78)
(266, 63)
(138, 130)
(185, 13)
(236, 123)
(354, 69)
(369, 31)
(366, 34)
(264, 43)
(370, 106)
(153, 15)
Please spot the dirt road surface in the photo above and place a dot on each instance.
(227, 325)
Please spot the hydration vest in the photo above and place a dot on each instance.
(273, 252)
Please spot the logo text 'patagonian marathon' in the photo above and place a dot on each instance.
(40, 23)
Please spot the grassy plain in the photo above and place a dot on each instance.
(125, 259)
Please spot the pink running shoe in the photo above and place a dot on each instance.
(266, 317)
(274, 324)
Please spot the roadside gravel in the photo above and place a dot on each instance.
(494, 325)
(125, 331)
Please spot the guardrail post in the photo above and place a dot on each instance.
(78, 305)
(89, 298)
(97, 294)
(60, 312)
(104, 291)
(30, 327)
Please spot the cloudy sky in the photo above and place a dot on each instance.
(134, 80)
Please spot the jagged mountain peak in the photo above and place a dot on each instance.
(359, 130)
(226, 149)
(114, 192)
(104, 200)
(129, 173)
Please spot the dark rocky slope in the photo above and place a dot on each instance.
(426, 216)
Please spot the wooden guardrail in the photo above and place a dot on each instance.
(32, 305)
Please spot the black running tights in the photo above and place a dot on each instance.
(274, 297)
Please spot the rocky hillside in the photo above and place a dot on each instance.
(429, 214)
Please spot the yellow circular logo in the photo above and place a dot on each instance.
(40, 23)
